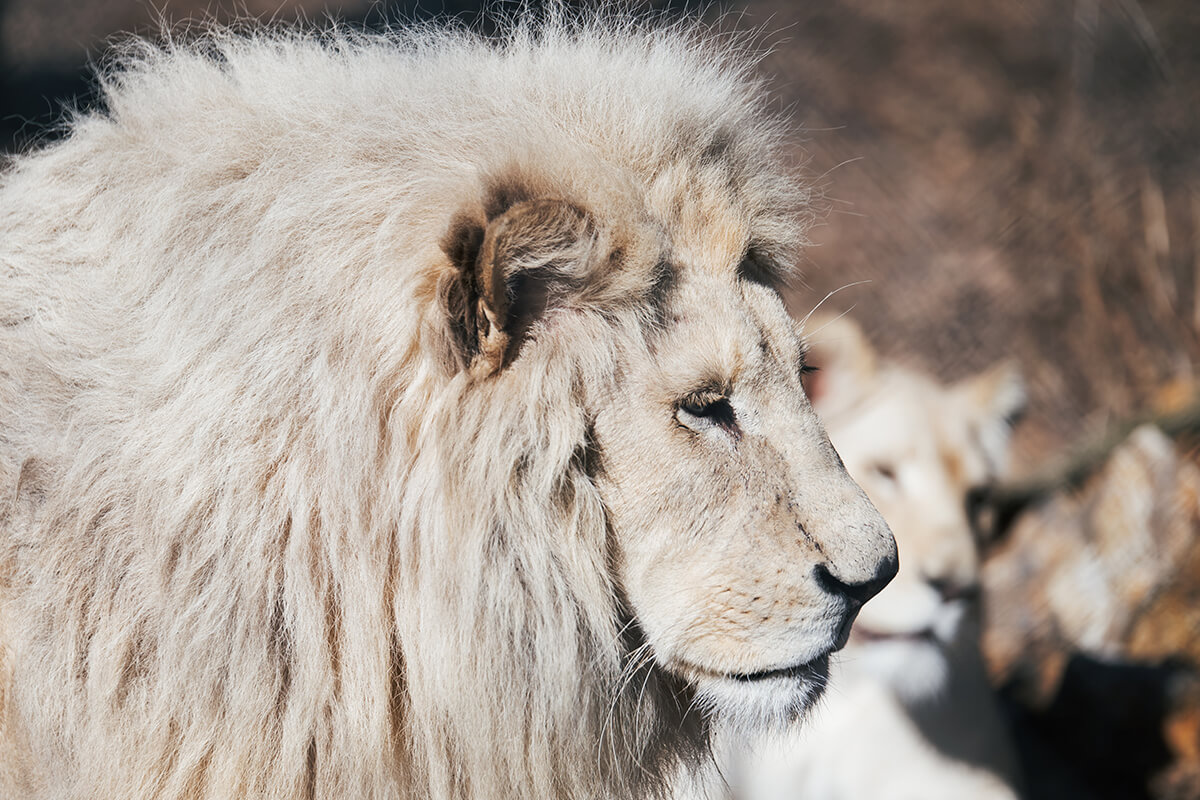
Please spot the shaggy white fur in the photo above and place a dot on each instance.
(380, 415)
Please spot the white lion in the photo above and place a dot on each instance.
(410, 416)
(909, 695)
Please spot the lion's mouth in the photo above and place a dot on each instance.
(815, 670)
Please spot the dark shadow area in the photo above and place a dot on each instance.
(36, 96)
(34, 103)
(1101, 736)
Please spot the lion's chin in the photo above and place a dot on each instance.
(758, 701)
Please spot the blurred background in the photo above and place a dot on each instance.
(1004, 180)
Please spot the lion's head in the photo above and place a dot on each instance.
(631, 440)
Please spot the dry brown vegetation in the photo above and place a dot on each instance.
(1014, 179)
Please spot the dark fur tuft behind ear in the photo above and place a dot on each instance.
(458, 293)
(504, 194)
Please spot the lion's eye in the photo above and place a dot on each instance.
(700, 413)
(982, 513)
(807, 371)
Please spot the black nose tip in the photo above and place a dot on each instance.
(856, 592)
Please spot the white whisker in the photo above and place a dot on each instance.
(804, 321)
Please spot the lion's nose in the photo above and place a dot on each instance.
(858, 592)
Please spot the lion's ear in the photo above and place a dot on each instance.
(508, 273)
(996, 399)
(844, 360)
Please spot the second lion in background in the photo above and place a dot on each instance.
(910, 695)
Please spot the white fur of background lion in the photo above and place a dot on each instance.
(246, 471)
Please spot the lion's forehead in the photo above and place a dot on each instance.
(707, 230)
(723, 328)
(716, 214)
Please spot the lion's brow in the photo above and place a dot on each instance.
(663, 278)
(756, 266)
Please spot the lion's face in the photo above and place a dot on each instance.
(737, 543)
(743, 548)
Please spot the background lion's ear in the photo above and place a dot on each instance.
(844, 360)
(996, 398)
(509, 271)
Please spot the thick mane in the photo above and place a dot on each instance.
(532, 601)
(243, 483)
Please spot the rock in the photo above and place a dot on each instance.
(1092, 628)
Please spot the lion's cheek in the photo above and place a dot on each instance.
(703, 609)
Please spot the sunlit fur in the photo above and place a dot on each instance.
(339, 444)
